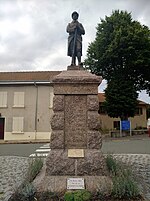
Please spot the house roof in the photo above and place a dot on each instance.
(142, 102)
(101, 97)
(28, 76)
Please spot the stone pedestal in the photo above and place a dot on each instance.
(75, 140)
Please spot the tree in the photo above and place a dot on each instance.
(120, 54)
(121, 99)
(121, 48)
(148, 112)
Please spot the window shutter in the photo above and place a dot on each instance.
(18, 99)
(18, 124)
(51, 100)
(21, 99)
(15, 98)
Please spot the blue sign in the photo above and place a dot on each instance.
(125, 125)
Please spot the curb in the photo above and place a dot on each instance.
(128, 138)
(24, 142)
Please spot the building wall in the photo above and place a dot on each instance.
(138, 120)
(36, 112)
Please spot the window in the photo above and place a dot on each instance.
(117, 125)
(51, 100)
(3, 99)
(18, 124)
(101, 109)
(18, 99)
(139, 111)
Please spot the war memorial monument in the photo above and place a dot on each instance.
(75, 160)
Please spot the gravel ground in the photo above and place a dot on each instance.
(12, 173)
(140, 164)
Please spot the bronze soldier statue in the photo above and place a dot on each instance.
(75, 30)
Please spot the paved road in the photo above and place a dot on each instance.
(116, 146)
(133, 146)
(18, 149)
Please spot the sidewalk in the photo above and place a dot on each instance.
(126, 138)
(23, 141)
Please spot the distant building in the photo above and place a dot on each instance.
(138, 121)
(26, 102)
(26, 106)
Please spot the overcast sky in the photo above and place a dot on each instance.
(33, 32)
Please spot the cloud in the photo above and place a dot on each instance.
(144, 97)
(34, 31)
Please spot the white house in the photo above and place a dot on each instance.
(26, 101)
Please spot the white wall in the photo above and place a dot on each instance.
(37, 113)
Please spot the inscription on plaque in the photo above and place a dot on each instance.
(75, 153)
(75, 121)
(75, 183)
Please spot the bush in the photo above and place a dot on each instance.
(100, 196)
(80, 195)
(34, 168)
(69, 196)
(26, 192)
(124, 185)
(47, 196)
(112, 165)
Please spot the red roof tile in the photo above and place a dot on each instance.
(101, 97)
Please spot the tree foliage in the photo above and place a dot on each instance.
(120, 53)
(121, 99)
(148, 112)
(121, 48)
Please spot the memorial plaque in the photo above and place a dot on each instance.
(75, 183)
(75, 153)
(75, 121)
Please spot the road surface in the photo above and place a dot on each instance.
(135, 146)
